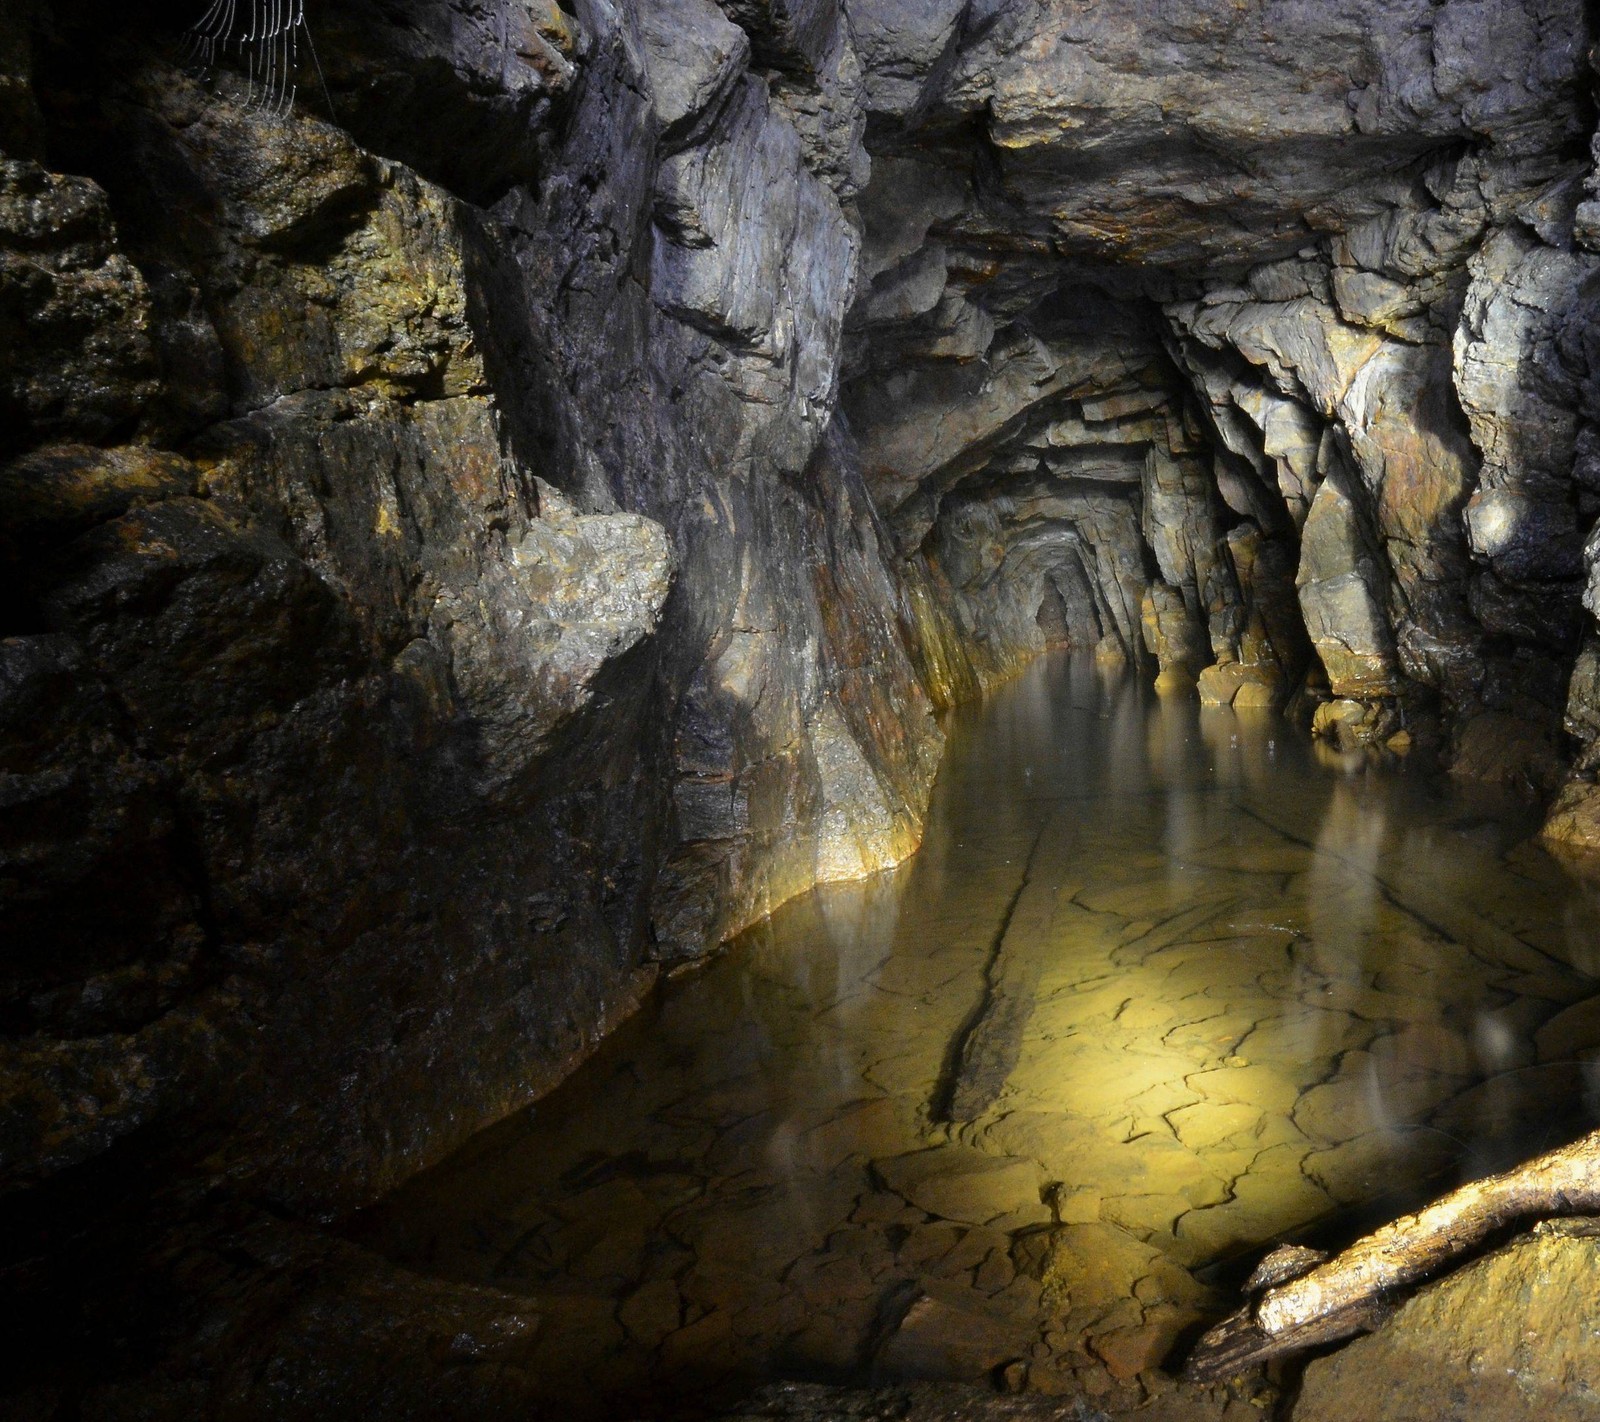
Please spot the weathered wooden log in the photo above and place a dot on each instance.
(1287, 1261)
(1238, 1343)
(1325, 1302)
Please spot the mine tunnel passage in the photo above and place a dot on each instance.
(1164, 984)
(480, 538)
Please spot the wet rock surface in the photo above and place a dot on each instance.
(1509, 1336)
(1497, 1339)
(1162, 985)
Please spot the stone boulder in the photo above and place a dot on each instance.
(1511, 1337)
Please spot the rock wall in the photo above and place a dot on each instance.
(440, 591)
(1326, 278)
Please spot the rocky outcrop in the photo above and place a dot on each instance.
(78, 357)
(1496, 1340)
(452, 594)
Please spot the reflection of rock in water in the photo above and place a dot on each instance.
(1185, 991)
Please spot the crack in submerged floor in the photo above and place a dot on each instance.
(979, 1058)
(752, 1188)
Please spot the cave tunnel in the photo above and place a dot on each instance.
(799, 709)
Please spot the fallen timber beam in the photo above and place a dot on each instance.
(1306, 1300)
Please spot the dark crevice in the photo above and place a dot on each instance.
(952, 1082)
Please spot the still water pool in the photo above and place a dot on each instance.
(1164, 986)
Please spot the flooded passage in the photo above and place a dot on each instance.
(1163, 987)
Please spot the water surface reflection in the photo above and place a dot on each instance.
(1163, 985)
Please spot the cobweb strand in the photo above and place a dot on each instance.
(262, 39)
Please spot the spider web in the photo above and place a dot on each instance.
(263, 39)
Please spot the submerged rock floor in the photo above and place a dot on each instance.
(1163, 987)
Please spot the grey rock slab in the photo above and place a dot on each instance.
(902, 44)
(693, 55)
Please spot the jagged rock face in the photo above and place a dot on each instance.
(1220, 135)
(1356, 246)
(478, 544)
(449, 611)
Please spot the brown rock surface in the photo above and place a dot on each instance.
(1511, 1336)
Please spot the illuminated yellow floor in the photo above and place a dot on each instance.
(1162, 987)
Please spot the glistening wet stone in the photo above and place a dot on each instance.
(1163, 987)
